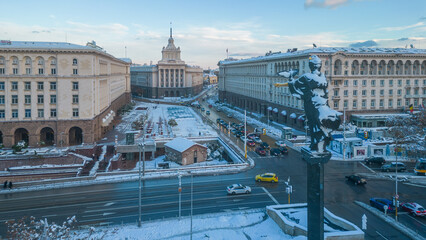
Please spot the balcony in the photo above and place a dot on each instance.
(335, 97)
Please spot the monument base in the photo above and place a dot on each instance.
(315, 174)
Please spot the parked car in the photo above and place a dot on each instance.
(234, 125)
(238, 189)
(234, 131)
(356, 179)
(280, 143)
(379, 203)
(210, 106)
(243, 138)
(284, 150)
(275, 152)
(261, 151)
(257, 140)
(218, 120)
(238, 134)
(202, 109)
(229, 115)
(267, 177)
(377, 160)
(414, 208)
(208, 112)
(400, 167)
(250, 143)
(265, 145)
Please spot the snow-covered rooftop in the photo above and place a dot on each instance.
(330, 50)
(180, 144)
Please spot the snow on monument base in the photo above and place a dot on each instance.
(293, 220)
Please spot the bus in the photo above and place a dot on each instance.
(420, 168)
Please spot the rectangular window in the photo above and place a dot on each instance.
(345, 104)
(53, 71)
(15, 113)
(364, 92)
(382, 92)
(345, 83)
(15, 71)
(53, 99)
(27, 99)
(399, 92)
(52, 85)
(28, 71)
(390, 103)
(390, 82)
(40, 86)
(373, 92)
(336, 92)
(74, 99)
(382, 103)
(336, 82)
(2, 71)
(382, 83)
(1, 85)
(27, 113)
(2, 115)
(1, 99)
(14, 99)
(390, 92)
(75, 112)
(14, 85)
(354, 104)
(75, 71)
(408, 91)
(40, 113)
(355, 82)
(373, 102)
(40, 71)
(336, 104)
(40, 99)
(364, 103)
(53, 112)
(364, 83)
(398, 102)
(407, 102)
(399, 83)
(407, 82)
(416, 91)
(74, 85)
(27, 85)
(373, 83)
(354, 92)
(416, 82)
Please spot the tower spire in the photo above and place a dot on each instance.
(170, 29)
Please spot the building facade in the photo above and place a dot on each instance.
(361, 80)
(59, 93)
(171, 77)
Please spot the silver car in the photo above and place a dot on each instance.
(238, 189)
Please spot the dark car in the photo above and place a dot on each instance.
(275, 152)
(377, 160)
(356, 179)
(261, 151)
(400, 167)
(284, 150)
(218, 120)
(264, 145)
(379, 203)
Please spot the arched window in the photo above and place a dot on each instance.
(74, 61)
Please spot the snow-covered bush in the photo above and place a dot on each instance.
(29, 228)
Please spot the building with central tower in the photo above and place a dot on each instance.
(171, 77)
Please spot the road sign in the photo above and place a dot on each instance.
(180, 189)
(364, 222)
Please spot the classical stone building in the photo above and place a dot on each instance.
(184, 151)
(361, 80)
(171, 77)
(59, 93)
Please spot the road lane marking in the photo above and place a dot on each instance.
(416, 219)
(270, 195)
(100, 215)
(51, 215)
(371, 170)
(415, 185)
(381, 235)
(108, 204)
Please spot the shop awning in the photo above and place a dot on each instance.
(293, 115)
(275, 110)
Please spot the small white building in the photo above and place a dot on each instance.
(184, 151)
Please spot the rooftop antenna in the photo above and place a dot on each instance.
(125, 51)
(227, 55)
(171, 30)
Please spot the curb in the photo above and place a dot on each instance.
(403, 229)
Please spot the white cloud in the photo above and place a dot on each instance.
(325, 4)
(419, 24)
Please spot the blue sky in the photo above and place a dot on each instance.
(205, 29)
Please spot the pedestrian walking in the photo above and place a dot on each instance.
(5, 184)
(10, 185)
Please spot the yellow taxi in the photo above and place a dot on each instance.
(267, 177)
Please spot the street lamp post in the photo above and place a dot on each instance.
(344, 133)
(180, 193)
(192, 182)
(396, 182)
(140, 188)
